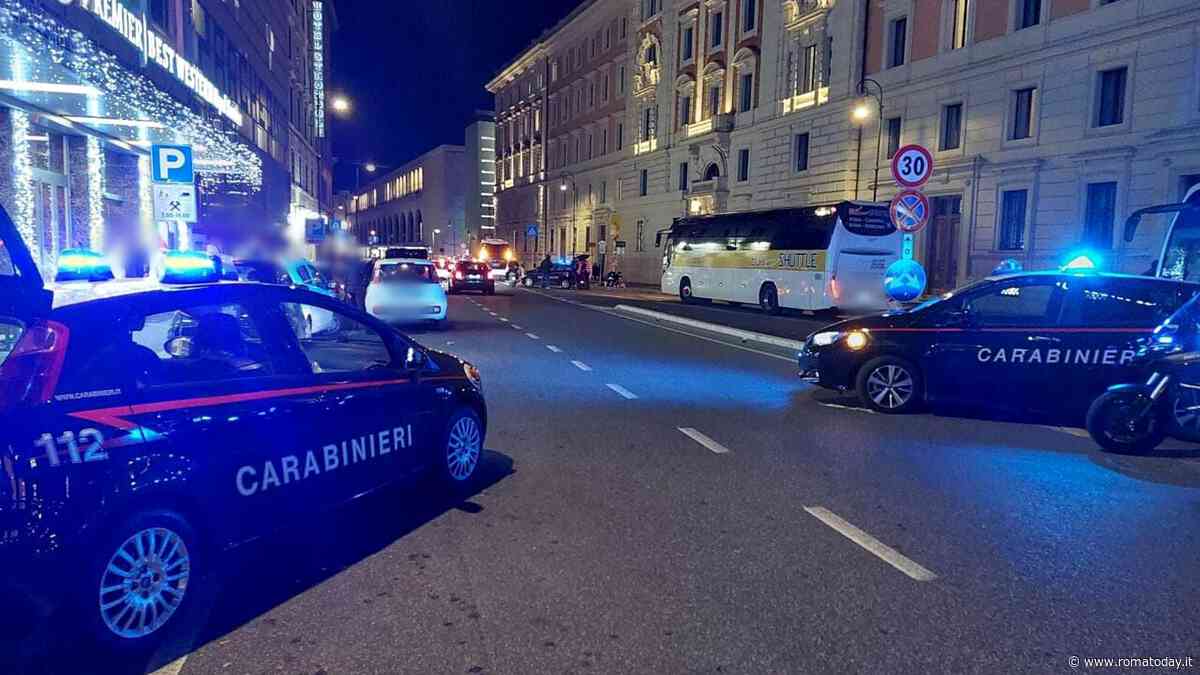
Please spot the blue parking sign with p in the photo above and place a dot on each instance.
(171, 164)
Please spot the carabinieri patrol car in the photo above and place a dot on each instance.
(144, 427)
(1049, 342)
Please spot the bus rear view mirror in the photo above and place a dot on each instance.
(658, 240)
(1135, 218)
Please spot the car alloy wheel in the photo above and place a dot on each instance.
(890, 386)
(1186, 420)
(463, 447)
(144, 583)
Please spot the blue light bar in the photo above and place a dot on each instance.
(1082, 260)
(188, 267)
(81, 264)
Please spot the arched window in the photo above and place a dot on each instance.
(713, 172)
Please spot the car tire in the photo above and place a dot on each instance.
(890, 384)
(768, 300)
(1104, 427)
(686, 295)
(456, 465)
(165, 574)
(491, 290)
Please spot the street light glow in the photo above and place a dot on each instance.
(340, 104)
(370, 167)
(861, 111)
(562, 187)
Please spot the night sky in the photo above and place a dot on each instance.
(415, 71)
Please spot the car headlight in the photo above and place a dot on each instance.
(473, 375)
(827, 338)
(856, 340)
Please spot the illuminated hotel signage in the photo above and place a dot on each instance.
(318, 64)
(154, 48)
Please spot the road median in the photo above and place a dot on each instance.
(743, 335)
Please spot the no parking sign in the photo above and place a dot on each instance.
(910, 211)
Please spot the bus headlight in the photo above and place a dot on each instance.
(856, 340)
(827, 338)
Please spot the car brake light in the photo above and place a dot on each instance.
(30, 373)
(458, 275)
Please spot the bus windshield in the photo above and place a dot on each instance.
(1181, 257)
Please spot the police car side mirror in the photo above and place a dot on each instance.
(414, 359)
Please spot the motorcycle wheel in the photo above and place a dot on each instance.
(1113, 422)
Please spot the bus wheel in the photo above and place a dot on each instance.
(768, 299)
(685, 292)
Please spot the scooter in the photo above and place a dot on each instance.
(613, 280)
(1135, 418)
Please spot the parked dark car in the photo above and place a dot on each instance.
(472, 276)
(561, 275)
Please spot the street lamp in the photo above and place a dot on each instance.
(861, 113)
(436, 232)
(568, 176)
(340, 105)
(370, 167)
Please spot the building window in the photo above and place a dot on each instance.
(827, 62)
(800, 148)
(716, 24)
(750, 16)
(649, 8)
(1101, 212)
(620, 135)
(714, 99)
(743, 168)
(603, 192)
(621, 80)
(639, 243)
(1029, 13)
(1110, 97)
(745, 92)
(604, 141)
(644, 183)
(624, 27)
(1022, 111)
(808, 77)
(651, 55)
(951, 137)
(1012, 220)
(893, 136)
(898, 41)
(959, 11)
(685, 110)
(159, 14)
(689, 36)
(683, 176)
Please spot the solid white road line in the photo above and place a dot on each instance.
(173, 668)
(582, 366)
(877, 548)
(745, 335)
(554, 349)
(704, 440)
(532, 336)
(622, 391)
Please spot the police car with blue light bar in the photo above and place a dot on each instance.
(147, 425)
(1049, 342)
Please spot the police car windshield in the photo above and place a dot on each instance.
(946, 296)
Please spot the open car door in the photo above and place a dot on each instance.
(23, 298)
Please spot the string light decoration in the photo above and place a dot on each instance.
(129, 93)
(23, 196)
(96, 226)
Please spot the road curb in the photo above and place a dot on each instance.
(743, 335)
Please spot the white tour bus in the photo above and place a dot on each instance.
(813, 258)
(1180, 255)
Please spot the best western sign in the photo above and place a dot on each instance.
(154, 48)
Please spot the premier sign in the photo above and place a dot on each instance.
(133, 27)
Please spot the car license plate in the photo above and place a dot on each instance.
(474, 276)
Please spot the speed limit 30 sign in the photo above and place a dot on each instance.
(912, 166)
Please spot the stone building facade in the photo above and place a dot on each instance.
(1049, 120)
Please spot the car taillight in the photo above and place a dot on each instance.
(30, 373)
(458, 275)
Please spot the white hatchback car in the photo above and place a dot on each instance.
(406, 291)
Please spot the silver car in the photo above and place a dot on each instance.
(406, 291)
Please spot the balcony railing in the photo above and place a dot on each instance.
(718, 123)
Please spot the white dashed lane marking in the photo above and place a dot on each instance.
(516, 326)
(877, 548)
(531, 336)
(504, 319)
(704, 440)
(554, 349)
(622, 391)
(582, 366)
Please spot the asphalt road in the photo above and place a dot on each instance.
(659, 502)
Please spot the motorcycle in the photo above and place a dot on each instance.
(1135, 418)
